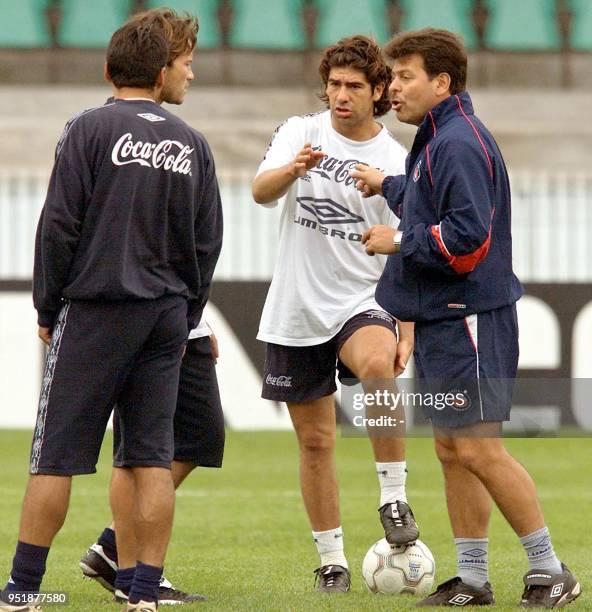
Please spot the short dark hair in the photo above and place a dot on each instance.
(180, 29)
(361, 53)
(136, 54)
(441, 50)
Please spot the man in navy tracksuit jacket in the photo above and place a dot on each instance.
(454, 205)
(450, 271)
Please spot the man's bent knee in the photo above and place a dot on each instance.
(377, 366)
(446, 452)
(479, 454)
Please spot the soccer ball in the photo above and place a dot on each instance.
(399, 569)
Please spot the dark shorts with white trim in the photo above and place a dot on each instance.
(298, 374)
(101, 354)
(199, 420)
(472, 363)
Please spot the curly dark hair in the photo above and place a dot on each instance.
(441, 50)
(361, 53)
(179, 29)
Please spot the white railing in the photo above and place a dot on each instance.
(551, 224)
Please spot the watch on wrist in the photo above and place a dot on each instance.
(397, 241)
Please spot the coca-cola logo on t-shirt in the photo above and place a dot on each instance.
(170, 155)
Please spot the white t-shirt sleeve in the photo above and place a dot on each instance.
(285, 143)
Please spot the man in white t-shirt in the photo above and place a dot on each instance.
(320, 313)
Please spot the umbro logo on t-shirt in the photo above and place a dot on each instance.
(328, 212)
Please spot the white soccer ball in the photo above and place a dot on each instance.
(399, 569)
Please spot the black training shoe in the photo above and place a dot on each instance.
(400, 528)
(546, 590)
(97, 565)
(455, 592)
(332, 579)
(167, 595)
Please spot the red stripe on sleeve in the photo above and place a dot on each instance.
(462, 264)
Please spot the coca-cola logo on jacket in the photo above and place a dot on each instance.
(169, 155)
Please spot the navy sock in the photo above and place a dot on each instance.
(28, 567)
(107, 541)
(145, 585)
(124, 579)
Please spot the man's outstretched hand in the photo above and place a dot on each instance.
(306, 160)
(368, 180)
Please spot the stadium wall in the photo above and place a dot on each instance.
(538, 129)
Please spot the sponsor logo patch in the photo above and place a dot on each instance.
(545, 576)
(475, 553)
(328, 212)
(151, 117)
(334, 169)
(169, 155)
(279, 381)
(417, 172)
(461, 402)
(461, 599)
(544, 541)
(379, 314)
(323, 229)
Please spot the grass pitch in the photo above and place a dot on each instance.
(242, 538)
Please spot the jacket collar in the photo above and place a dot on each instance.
(451, 107)
(438, 116)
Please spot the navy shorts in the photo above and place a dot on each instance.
(199, 421)
(475, 360)
(103, 353)
(299, 374)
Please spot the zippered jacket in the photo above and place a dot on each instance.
(454, 206)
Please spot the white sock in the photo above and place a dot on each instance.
(392, 476)
(472, 562)
(330, 546)
(539, 549)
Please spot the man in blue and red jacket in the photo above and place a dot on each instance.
(454, 205)
(450, 271)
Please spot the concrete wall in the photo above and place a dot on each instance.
(536, 128)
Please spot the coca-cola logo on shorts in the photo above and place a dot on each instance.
(279, 381)
(170, 155)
